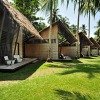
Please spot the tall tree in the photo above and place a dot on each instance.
(96, 4)
(55, 16)
(29, 8)
(80, 4)
(88, 9)
(83, 29)
(65, 21)
(73, 28)
(97, 32)
(48, 6)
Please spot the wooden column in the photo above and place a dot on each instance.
(2, 24)
(16, 41)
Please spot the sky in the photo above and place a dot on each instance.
(72, 16)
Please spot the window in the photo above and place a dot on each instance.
(53, 41)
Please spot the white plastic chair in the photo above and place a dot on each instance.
(17, 57)
(8, 62)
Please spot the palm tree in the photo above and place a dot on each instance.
(55, 16)
(78, 19)
(73, 28)
(65, 21)
(96, 4)
(83, 29)
(88, 8)
(97, 32)
(48, 6)
(98, 24)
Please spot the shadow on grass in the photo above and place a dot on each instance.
(83, 68)
(21, 74)
(88, 57)
(79, 67)
(61, 64)
(66, 95)
(73, 61)
(64, 64)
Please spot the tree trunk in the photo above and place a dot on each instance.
(3, 18)
(89, 25)
(50, 33)
(78, 30)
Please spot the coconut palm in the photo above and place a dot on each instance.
(98, 24)
(97, 32)
(65, 21)
(55, 15)
(80, 4)
(73, 28)
(48, 6)
(96, 5)
(88, 8)
(83, 29)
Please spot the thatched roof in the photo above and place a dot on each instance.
(64, 31)
(98, 42)
(84, 39)
(20, 18)
(67, 33)
(64, 43)
(95, 44)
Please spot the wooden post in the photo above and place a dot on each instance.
(2, 24)
(16, 41)
(1, 28)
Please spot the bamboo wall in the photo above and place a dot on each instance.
(69, 51)
(94, 52)
(86, 50)
(99, 52)
(40, 51)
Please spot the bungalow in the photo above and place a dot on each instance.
(77, 49)
(69, 49)
(85, 44)
(94, 47)
(59, 33)
(12, 24)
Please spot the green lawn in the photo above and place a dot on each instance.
(77, 80)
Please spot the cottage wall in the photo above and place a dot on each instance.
(99, 52)
(86, 50)
(42, 50)
(69, 51)
(8, 35)
(39, 50)
(94, 52)
(72, 51)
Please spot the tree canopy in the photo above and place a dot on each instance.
(29, 8)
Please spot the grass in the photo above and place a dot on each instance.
(77, 80)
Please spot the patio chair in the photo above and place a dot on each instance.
(7, 61)
(17, 58)
(61, 56)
